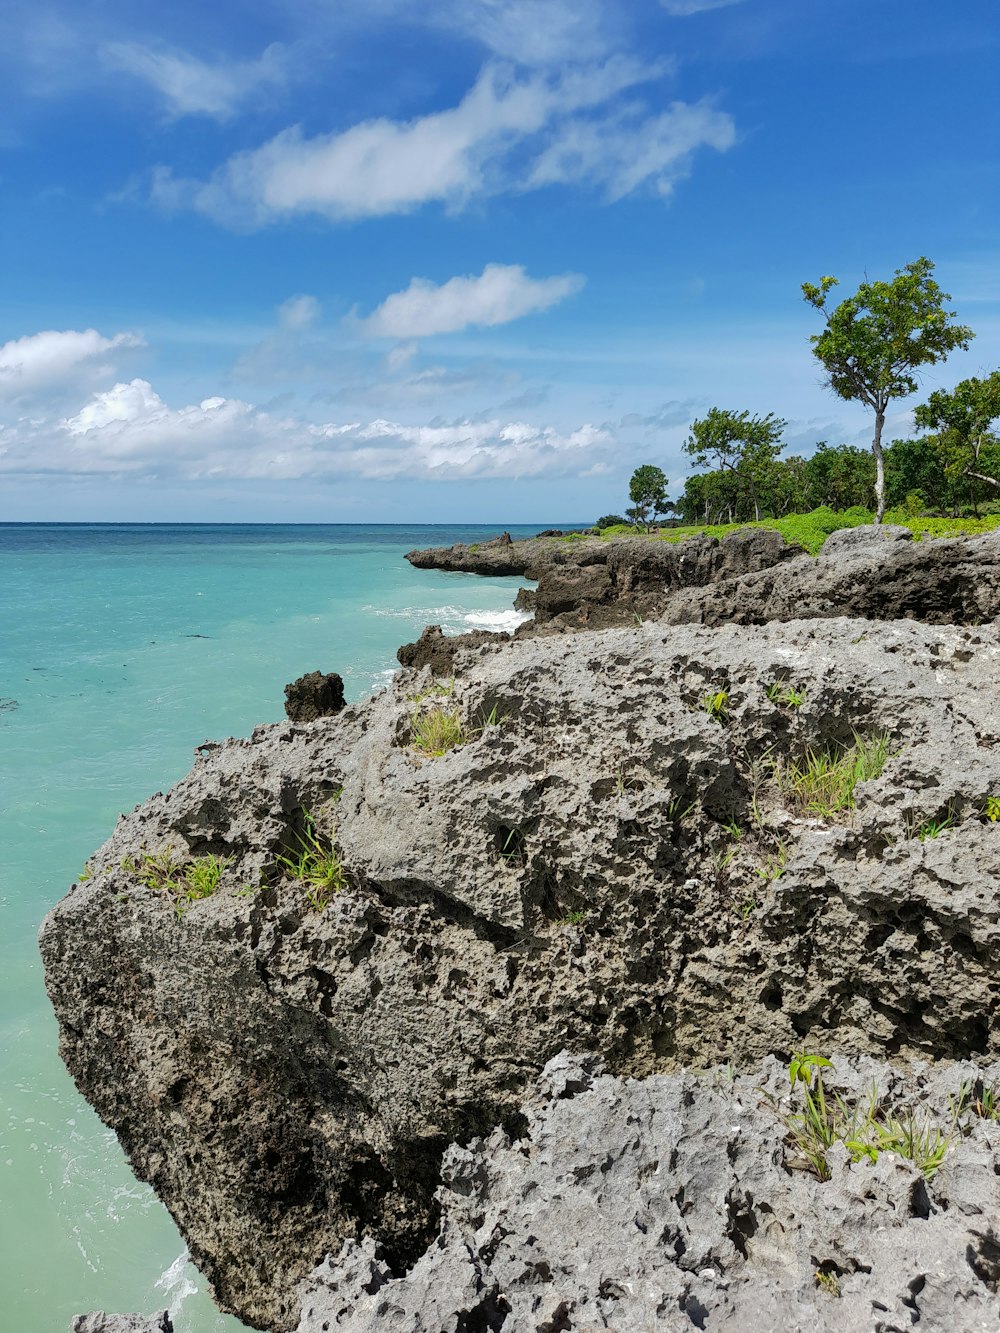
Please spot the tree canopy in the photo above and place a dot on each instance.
(648, 493)
(875, 340)
(743, 449)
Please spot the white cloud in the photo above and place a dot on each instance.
(130, 431)
(508, 132)
(41, 360)
(500, 293)
(194, 87)
(623, 153)
(683, 8)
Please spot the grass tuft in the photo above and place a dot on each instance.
(186, 882)
(316, 865)
(716, 705)
(435, 731)
(823, 782)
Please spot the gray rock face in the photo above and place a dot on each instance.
(613, 867)
(122, 1323)
(854, 541)
(595, 583)
(667, 1203)
(953, 581)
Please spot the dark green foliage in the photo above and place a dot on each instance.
(610, 521)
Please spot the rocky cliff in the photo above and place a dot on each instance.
(614, 851)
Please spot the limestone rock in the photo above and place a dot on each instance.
(864, 540)
(122, 1323)
(607, 866)
(668, 1202)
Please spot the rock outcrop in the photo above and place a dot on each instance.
(667, 1203)
(122, 1323)
(316, 694)
(610, 861)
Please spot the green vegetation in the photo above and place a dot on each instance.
(743, 449)
(576, 918)
(185, 881)
(648, 493)
(876, 339)
(716, 705)
(991, 808)
(827, 1282)
(933, 828)
(779, 692)
(435, 731)
(865, 1130)
(823, 782)
(315, 863)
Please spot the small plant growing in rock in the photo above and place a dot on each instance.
(781, 693)
(186, 882)
(823, 782)
(317, 866)
(576, 918)
(827, 1282)
(773, 866)
(865, 1131)
(435, 731)
(991, 808)
(933, 828)
(716, 705)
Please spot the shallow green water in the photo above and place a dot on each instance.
(121, 649)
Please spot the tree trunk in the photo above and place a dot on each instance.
(879, 466)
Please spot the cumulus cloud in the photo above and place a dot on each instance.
(129, 430)
(683, 8)
(501, 293)
(192, 87)
(509, 132)
(42, 360)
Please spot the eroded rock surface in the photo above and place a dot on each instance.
(596, 583)
(954, 581)
(610, 868)
(667, 1203)
(316, 694)
(100, 1322)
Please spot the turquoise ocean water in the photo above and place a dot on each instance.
(122, 647)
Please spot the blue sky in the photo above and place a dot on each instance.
(403, 260)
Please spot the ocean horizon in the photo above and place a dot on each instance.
(123, 646)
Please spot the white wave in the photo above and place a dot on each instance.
(506, 621)
(176, 1283)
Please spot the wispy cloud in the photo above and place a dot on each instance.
(531, 32)
(39, 361)
(509, 132)
(626, 151)
(192, 87)
(501, 293)
(682, 8)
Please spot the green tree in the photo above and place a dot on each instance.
(648, 492)
(875, 340)
(840, 477)
(960, 421)
(743, 448)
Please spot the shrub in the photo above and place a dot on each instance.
(611, 521)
